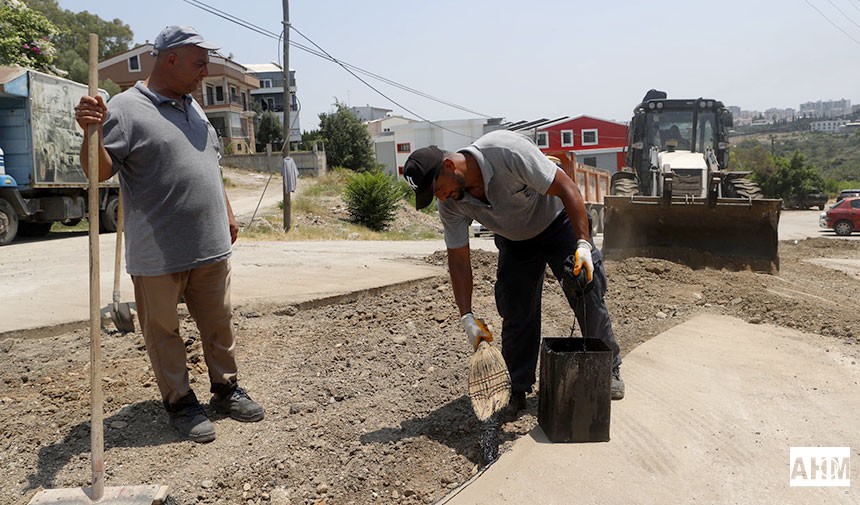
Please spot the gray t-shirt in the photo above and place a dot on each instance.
(173, 194)
(517, 176)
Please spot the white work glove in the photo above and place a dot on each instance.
(583, 259)
(476, 330)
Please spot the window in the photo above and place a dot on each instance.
(265, 83)
(234, 95)
(244, 101)
(134, 64)
(219, 94)
(404, 148)
(589, 137)
(567, 138)
(210, 95)
(543, 139)
(590, 161)
(269, 104)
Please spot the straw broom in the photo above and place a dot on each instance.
(489, 380)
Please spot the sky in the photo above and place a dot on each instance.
(529, 60)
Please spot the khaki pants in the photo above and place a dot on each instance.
(207, 295)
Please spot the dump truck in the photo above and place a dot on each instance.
(593, 183)
(41, 180)
(676, 197)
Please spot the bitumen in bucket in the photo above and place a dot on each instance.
(575, 389)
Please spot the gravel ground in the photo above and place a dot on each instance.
(365, 400)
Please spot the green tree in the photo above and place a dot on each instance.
(793, 176)
(371, 198)
(309, 138)
(347, 141)
(269, 131)
(73, 36)
(111, 87)
(752, 156)
(25, 37)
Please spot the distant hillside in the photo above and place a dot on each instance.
(835, 155)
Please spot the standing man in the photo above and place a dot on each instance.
(179, 224)
(537, 214)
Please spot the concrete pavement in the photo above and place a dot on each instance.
(713, 407)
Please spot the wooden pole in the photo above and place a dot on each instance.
(96, 415)
(288, 106)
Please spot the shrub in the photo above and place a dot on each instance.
(371, 199)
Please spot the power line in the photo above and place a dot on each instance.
(832, 23)
(843, 14)
(374, 89)
(324, 55)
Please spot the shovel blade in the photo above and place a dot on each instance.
(120, 313)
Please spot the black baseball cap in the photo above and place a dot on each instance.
(421, 170)
(175, 36)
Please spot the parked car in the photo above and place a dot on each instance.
(847, 193)
(843, 217)
(814, 198)
(478, 230)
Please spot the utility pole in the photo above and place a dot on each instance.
(288, 103)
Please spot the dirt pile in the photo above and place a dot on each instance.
(366, 401)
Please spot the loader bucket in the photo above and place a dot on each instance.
(734, 233)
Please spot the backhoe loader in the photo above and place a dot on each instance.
(676, 198)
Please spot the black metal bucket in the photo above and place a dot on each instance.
(575, 389)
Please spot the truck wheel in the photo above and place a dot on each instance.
(8, 222)
(33, 229)
(595, 221)
(821, 207)
(107, 217)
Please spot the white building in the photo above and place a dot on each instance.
(828, 126)
(449, 135)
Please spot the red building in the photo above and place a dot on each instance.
(595, 142)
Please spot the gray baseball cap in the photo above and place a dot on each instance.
(175, 36)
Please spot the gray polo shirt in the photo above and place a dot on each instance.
(173, 194)
(517, 176)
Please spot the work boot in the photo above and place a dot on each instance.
(233, 400)
(515, 404)
(189, 419)
(617, 384)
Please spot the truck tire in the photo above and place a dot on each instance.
(595, 221)
(26, 229)
(107, 217)
(8, 222)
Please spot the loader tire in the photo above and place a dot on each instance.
(743, 188)
(8, 222)
(625, 187)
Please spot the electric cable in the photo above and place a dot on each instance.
(831, 22)
(843, 14)
(324, 55)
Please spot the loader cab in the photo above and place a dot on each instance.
(678, 125)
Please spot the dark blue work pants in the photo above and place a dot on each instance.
(519, 284)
